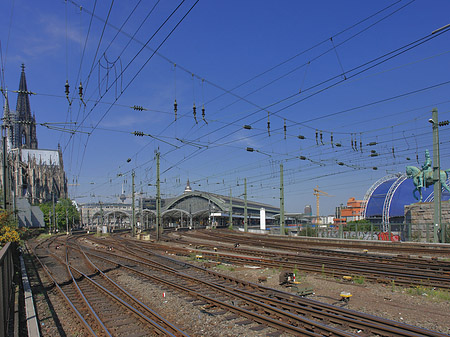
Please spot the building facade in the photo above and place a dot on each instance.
(31, 173)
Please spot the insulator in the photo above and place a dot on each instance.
(247, 127)
(80, 90)
(317, 139)
(338, 144)
(321, 138)
(250, 149)
(341, 163)
(373, 151)
(374, 154)
(332, 145)
(284, 129)
(203, 114)
(194, 110)
(407, 158)
(268, 123)
(393, 152)
(175, 108)
(372, 144)
(138, 108)
(302, 157)
(67, 86)
(301, 137)
(138, 133)
(374, 168)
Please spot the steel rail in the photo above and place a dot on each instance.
(65, 297)
(341, 269)
(338, 243)
(241, 311)
(174, 329)
(370, 322)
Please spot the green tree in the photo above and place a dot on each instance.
(64, 209)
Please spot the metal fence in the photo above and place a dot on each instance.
(6, 286)
(377, 231)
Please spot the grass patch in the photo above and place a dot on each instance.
(226, 267)
(44, 236)
(437, 294)
(359, 279)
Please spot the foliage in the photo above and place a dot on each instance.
(65, 211)
(362, 225)
(359, 279)
(8, 228)
(437, 294)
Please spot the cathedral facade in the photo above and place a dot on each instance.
(35, 174)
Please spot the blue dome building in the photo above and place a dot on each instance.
(385, 200)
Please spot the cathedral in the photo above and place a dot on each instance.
(36, 175)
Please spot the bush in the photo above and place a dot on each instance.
(7, 234)
(8, 228)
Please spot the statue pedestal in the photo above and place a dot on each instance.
(420, 216)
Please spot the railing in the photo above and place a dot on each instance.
(6, 286)
(375, 231)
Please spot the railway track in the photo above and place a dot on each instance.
(265, 306)
(402, 270)
(301, 243)
(102, 311)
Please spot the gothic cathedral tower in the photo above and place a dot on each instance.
(25, 127)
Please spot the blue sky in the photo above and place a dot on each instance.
(357, 71)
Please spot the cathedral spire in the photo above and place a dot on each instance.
(6, 112)
(8, 121)
(25, 135)
(23, 101)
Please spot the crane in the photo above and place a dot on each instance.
(318, 193)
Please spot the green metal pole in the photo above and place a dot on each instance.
(158, 199)
(245, 206)
(230, 224)
(436, 178)
(133, 212)
(281, 201)
(4, 169)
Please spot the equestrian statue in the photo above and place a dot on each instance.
(423, 178)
